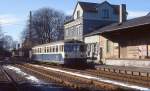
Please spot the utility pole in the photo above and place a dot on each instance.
(30, 29)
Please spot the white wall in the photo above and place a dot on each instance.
(130, 63)
(92, 39)
(75, 12)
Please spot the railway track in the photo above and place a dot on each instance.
(72, 81)
(136, 78)
(7, 80)
(122, 76)
(118, 75)
(58, 77)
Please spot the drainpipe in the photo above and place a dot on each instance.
(119, 51)
(122, 13)
(147, 51)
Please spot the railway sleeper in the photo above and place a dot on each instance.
(73, 77)
(65, 79)
(127, 78)
(132, 77)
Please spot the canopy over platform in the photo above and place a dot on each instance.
(137, 29)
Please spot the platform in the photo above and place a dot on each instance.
(136, 71)
(145, 63)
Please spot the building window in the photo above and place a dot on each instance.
(108, 46)
(78, 30)
(105, 13)
(72, 32)
(78, 14)
(66, 33)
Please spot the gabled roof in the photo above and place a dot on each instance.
(127, 24)
(148, 14)
(92, 7)
(88, 6)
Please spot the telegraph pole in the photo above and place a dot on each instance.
(30, 28)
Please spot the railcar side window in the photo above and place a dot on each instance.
(59, 48)
(50, 49)
(40, 50)
(45, 49)
(53, 49)
(62, 48)
(56, 48)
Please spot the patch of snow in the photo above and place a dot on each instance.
(20, 72)
(98, 78)
(32, 78)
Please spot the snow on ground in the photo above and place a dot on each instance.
(97, 78)
(23, 74)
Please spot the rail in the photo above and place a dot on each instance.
(10, 79)
(73, 80)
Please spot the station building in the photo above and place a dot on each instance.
(125, 43)
(88, 17)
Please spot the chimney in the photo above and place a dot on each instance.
(18, 46)
(122, 13)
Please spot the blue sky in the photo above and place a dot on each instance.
(14, 13)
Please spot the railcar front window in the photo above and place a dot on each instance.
(74, 48)
(82, 48)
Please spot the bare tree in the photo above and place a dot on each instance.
(1, 38)
(7, 42)
(45, 25)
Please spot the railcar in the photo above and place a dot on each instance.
(61, 52)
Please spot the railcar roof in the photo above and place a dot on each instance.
(60, 42)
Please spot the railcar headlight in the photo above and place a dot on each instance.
(66, 55)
